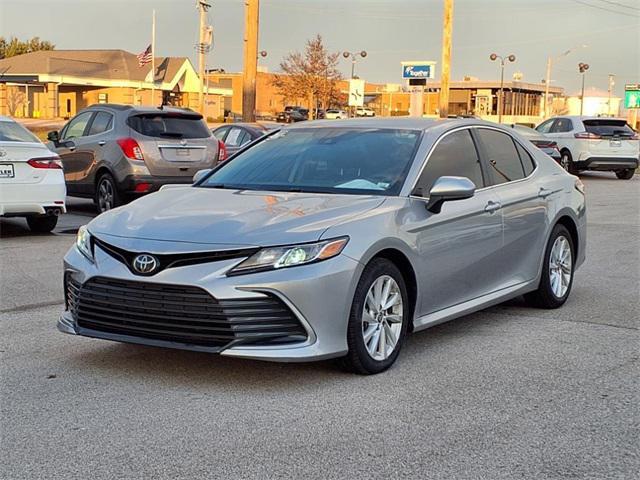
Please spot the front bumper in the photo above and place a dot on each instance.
(319, 295)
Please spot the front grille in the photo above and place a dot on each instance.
(179, 313)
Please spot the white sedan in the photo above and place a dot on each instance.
(335, 114)
(31, 178)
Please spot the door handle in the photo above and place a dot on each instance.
(101, 142)
(492, 206)
(544, 192)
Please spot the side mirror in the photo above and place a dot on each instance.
(200, 174)
(446, 189)
(53, 136)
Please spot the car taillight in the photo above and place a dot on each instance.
(131, 149)
(46, 162)
(222, 151)
(587, 135)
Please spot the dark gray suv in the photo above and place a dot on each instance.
(115, 153)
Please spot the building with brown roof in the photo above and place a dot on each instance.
(58, 83)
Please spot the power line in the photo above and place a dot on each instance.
(610, 2)
(605, 9)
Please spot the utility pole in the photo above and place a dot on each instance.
(611, 84)
(203, 7)
(447, 28)
(153, 59)
(251, 24)
(547, 81)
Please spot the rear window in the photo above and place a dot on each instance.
(608, 127)
(169, 125)
(14, 132)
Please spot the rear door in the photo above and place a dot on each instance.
(524, 201)
(610, 137)
(174, 144)
(236, 139)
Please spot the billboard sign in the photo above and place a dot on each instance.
(356, 92)
(412, 70)
(632, 96)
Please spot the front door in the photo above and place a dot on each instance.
(73, 153)
(460, 246)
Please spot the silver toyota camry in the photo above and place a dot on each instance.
(332, 239)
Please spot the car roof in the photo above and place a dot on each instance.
(587, 117)
(140, 108)
(405, 123)
(4, 118)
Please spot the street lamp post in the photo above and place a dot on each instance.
(582, 68)
(511, 58)
(610, 89)
(547, 80)
(353, 60)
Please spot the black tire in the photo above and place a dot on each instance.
(106, 194)
(544, 297)
(358, 360)
(42, 223)
(626, 174)
(566, 162)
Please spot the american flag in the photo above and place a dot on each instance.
(145, 57)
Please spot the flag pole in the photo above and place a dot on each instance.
(153, 58)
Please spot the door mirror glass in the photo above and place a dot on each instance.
(446, 189)
(200, 174)
(53, 136)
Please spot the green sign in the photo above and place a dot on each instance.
(632, 96)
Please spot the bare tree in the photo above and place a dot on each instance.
(15, 100)
(310, 77)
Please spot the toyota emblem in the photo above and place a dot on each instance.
(145, 264)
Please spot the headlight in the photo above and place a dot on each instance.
(83, 242)
(290, 256)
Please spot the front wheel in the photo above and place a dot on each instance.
(557, 271)
(626, 174)
(379, 318)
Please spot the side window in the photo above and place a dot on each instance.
(76, 127)
(220, 133)
(526, 159)
(502, 156)
(455, 155)
(101, 123)
(562, 125)
(544, 127)
(236, 137)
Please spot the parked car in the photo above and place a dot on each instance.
(293, 115)
(332, 239)
(365, 112)
(235, 136)
(594, 143)
(336, 114)
(115, 153)
(547, 145)
(31, 178)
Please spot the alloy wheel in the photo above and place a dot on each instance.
(382, 318)
(564, 161)
(105, 195)
(560, 266)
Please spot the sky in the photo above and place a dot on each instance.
(603, 33)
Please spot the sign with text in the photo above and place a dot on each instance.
(356, 92)
(632, 96)
(412, 70)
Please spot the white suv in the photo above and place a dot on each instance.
(594, 143)
(31, 178)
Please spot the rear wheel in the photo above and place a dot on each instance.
(625, 174)
(566, 162)
(557, 271)
(107, 196)
(42, 223)
(378, 320)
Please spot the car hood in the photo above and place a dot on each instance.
(231, 217)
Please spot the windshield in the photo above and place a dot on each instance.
(14, 132)
(608, 127)
(324, 160)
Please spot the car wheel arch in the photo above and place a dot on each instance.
(400, 260)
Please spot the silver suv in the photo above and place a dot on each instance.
(115, 153)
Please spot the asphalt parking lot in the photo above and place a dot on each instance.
(507, 393)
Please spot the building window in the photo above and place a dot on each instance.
(103, 98)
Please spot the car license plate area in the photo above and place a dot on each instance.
(7, 171)
(615, 143)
